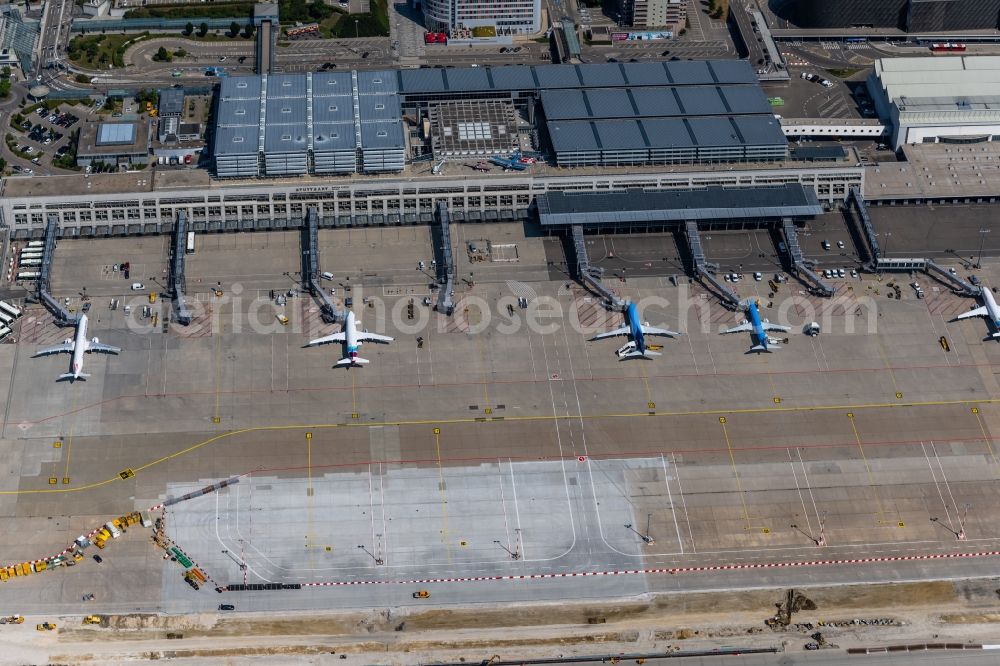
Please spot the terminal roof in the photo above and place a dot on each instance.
(710, 203)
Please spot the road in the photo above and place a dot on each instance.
(824, 658)
(53, 32)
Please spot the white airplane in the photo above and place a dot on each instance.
(352, 338)
(989, 309)
(77, 347)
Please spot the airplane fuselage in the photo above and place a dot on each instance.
(351, 337)
(79, 347)
(991, 307)
(759, 335)
(635, 328)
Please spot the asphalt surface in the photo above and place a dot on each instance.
(824, 658)
(546, 448)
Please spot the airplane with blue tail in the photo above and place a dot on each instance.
(637, 332)
(758, 329)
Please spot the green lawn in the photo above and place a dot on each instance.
(101, 51)
(194, 12)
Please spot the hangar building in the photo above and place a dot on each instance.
(953, 99)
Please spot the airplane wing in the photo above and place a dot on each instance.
(652, 330)
(974, 312)
(768, 326)
(624, 330)
(744, 327)
(372, 337)
(336, 337)
(66, 348)
(102, 348)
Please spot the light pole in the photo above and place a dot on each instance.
(355, 28)
(982, 242)
(378, 560)
(645, 537)
(513, 554)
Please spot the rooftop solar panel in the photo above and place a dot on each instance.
(468, 79)
(700, 100)
(557, 76)
(690, 72)
(332, 83)
(602, 75)
(334, 136)
(286, 85)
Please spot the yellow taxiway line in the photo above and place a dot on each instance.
(775, 409)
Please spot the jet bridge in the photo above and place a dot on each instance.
(705, 271)
(800, 266)
(909, 265)
(591, 275)
(857, 200)
(445, 261)
(179, 252)
(310, 269)
(62, 315)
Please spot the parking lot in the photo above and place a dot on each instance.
(43, 136)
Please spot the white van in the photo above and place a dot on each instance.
(138, 286)
(326, 275)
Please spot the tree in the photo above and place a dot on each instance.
(162, 55)
(189, 28)
(249, 30)
(203, 29)
(234, 29)
(180, 53)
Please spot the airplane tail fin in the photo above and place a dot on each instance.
(357, 360)
(69, 376)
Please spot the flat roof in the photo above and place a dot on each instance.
(310, 110)
(599, 75)
(643, 133)
(654, 102)
(171, 102)
(709, 203)
(909, 80)
(115, 134)
(118, 139)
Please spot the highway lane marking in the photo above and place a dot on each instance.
(555, 418)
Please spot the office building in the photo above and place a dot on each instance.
(509, 17)
(666, 14)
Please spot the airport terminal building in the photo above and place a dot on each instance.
(607, 114)
(951, 99)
